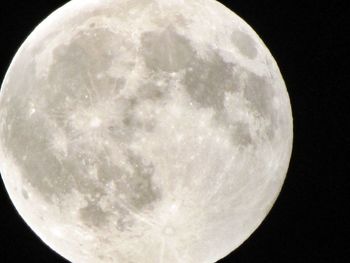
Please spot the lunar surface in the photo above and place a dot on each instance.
(153, 131)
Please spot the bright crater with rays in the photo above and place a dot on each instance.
(144, 131)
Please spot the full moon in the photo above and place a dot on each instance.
(153, 131)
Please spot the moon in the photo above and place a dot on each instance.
(144, 131)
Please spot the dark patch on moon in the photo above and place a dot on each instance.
(25, 194)
(260, 93)
(245, 44)
(132, 122)
(166, 50)
(241, 134)
(135, 186)
(208, 81)
(150, 91)
(40, 169)
(139, 183)
(124, 223)
(75, 71)
(93, 215)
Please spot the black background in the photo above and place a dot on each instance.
(305, 37)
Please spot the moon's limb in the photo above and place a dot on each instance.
(144, 131)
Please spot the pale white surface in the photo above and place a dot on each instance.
(144, 131)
